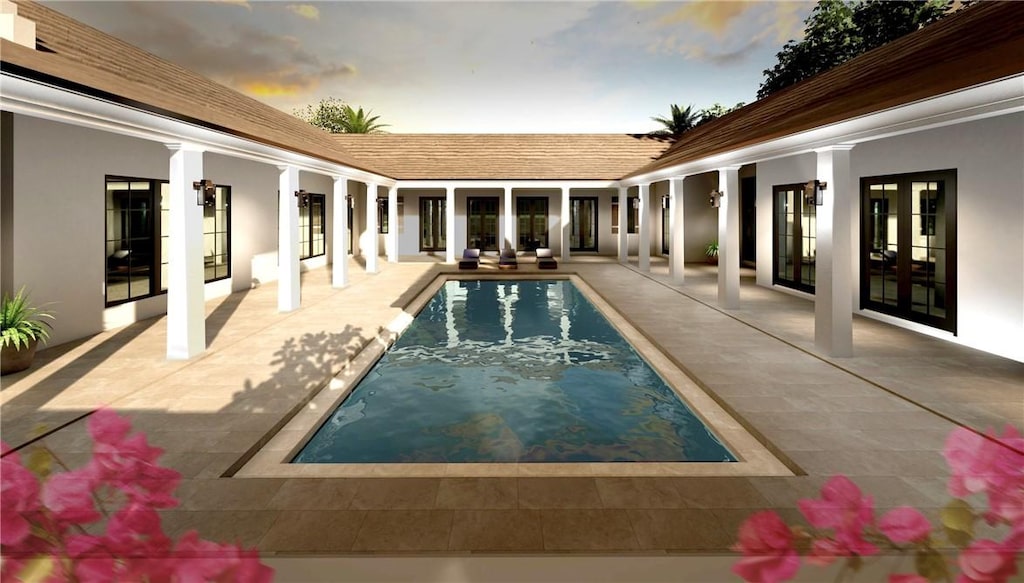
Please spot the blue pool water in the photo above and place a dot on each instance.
(511, 371)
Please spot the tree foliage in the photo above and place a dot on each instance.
(838, 30)
(678, 121)
(681, 120)
(338, 117)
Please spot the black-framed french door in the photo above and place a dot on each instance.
(666, 224)
(908, 251)
(583, 223)
(532, 215)
(482, 222)
(432, 224)
(794, 232)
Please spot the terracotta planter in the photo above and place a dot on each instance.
(712, 259)
(17, 359)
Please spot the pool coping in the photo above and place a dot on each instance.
(272, 460)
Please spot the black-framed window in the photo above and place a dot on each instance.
(908, 252)
(795, 238)
(583, 223)
(312, 227)
(382, 216)
(432, 224)
(532, 214)
(133, 221)
(217, 235)
(137, 222)
(632, 214)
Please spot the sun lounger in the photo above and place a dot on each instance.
(470, 259)
(508, 259)
(545, 260)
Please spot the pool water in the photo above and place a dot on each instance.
(512, 371)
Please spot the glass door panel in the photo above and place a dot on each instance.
(795, 238)
(532, 215)
(908, 256)
(666, 234)
(432, 224)
(482, 223)
(583, 224)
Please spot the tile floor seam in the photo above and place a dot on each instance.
(819, 357)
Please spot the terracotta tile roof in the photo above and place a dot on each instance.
(504, 156)
(96, 61)
(981, 43)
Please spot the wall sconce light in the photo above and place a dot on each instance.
(813, 192)
(636, 203)
(303, 198)
(715, 198)
(665, 202)
(205, 191)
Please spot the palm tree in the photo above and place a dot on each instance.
(680, 121)
(359, 122)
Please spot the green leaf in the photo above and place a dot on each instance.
(958, 521)
(40, 462)
(931, 565)
(36, 570)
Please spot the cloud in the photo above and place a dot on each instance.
(241, 3)
(713, 17)
(307, 11)
(246, 58)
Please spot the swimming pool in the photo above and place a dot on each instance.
(512, 371)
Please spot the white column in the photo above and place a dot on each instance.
(510, 236)
(370, 252)
(186, 309)
(392, 225)
(339, 272)
(729, 238)
(833, 298)
(288, 240)
(643, 214)
(449, 224)
(623, 238)
(677, 254)
(564, 230)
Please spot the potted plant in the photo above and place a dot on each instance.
(22, 327)
(711, 250)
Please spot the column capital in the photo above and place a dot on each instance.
(184, 147)
(836, 148)
(284, 167)
(735, 167)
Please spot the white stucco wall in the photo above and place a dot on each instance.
(701, 219)
(59, 217)
(987, 156)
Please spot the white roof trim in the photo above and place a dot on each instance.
(31, 98)
(514, 183)
(1002, 97)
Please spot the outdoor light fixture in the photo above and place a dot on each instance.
(303, 198)
(205, 191)
(636, 203)
(715, 198)
(665, 202)
(813, 192)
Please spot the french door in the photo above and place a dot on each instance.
(482, 223)
(908, 253)
(583, 223)
(795, 238)
(432, 224)
(532, 213)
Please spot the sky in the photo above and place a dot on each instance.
(471, 66)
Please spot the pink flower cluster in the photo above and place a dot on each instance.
(988, 465)
(42, 521)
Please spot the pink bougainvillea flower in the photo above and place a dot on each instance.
(68, 496)
(984, 463)
(19, 496)
(904, 525)
(825, 551)
(843, 508)
(106, 426)
(767, 546)
(987, 561)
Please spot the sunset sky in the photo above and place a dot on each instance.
(470, 66)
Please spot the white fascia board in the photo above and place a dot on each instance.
(31, 98)
(506, 184)
(1002, 97)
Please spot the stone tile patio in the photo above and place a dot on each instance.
(880, 417)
